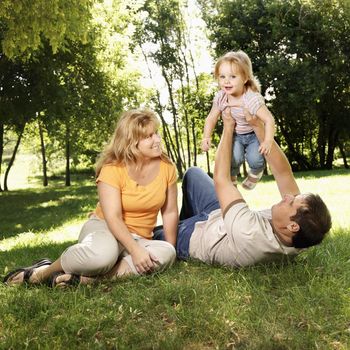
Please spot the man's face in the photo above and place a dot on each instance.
(282, 212)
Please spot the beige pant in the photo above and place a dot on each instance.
(97, 251)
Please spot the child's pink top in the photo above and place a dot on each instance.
(251, 100)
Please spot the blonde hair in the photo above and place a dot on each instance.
(244, 65)
(122, 149)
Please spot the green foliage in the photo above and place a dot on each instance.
(27, 23)
(299, 51)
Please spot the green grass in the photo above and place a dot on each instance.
(301, 304)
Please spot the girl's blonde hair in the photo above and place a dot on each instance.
(244, 65)
(132, 126)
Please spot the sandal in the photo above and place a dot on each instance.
(73, 281)
(28, 271)
(251, 180)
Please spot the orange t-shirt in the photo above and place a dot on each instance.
(140, 204)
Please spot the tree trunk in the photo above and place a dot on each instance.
(332, 142)
(187, 126)
(1, 147)
(343, 154)
(179, 162)
(167, 137)
(299, 158)
(321, 141)
(43, 154)
(67, 155)
(12, 160)
(208, 164)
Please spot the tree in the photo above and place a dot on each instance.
(28, 24)
(164, 37)
(300, 52)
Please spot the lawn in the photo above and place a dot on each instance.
(301, 304)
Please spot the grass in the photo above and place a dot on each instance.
(300, 304)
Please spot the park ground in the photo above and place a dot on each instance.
(300, 304)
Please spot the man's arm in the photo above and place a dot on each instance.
(276, 159)
(227, 193)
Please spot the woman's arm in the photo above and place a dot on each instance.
(110, 201)
(170, 214)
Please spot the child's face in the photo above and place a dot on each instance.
(230, 79)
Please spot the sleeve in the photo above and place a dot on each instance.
(110, 175)
(217, 99)
(241, 220)
(253, 101)
(172, 174)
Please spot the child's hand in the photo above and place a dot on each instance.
(205, 145)
(265, 147)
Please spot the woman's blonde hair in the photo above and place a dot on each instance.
(244, 65)
(132, 126)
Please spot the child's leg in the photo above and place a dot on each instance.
(255, 160)
(237, 157)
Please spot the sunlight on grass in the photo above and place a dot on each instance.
(67, 232)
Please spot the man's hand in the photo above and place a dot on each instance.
(227, 118)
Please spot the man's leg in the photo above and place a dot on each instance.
(198, 201)
(198, 194)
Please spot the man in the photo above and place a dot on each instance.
(216, 225)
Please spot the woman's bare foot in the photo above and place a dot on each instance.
(63, 280)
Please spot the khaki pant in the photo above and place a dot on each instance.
(97, 251)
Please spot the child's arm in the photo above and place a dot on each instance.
(210, 122)
(265, 115)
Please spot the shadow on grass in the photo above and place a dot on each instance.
(26, 255)
(43, 209)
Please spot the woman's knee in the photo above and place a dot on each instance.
(90, 259)
(164, 252)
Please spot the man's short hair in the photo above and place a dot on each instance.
(314, 221)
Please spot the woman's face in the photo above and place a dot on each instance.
(150, 145)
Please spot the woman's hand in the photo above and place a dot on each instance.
(143, 260)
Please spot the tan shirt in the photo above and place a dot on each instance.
(244, 237)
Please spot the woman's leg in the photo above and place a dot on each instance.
(96, 252)
(163, 252)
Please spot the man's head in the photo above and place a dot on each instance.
(301, 220)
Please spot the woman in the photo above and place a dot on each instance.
(135, 180)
